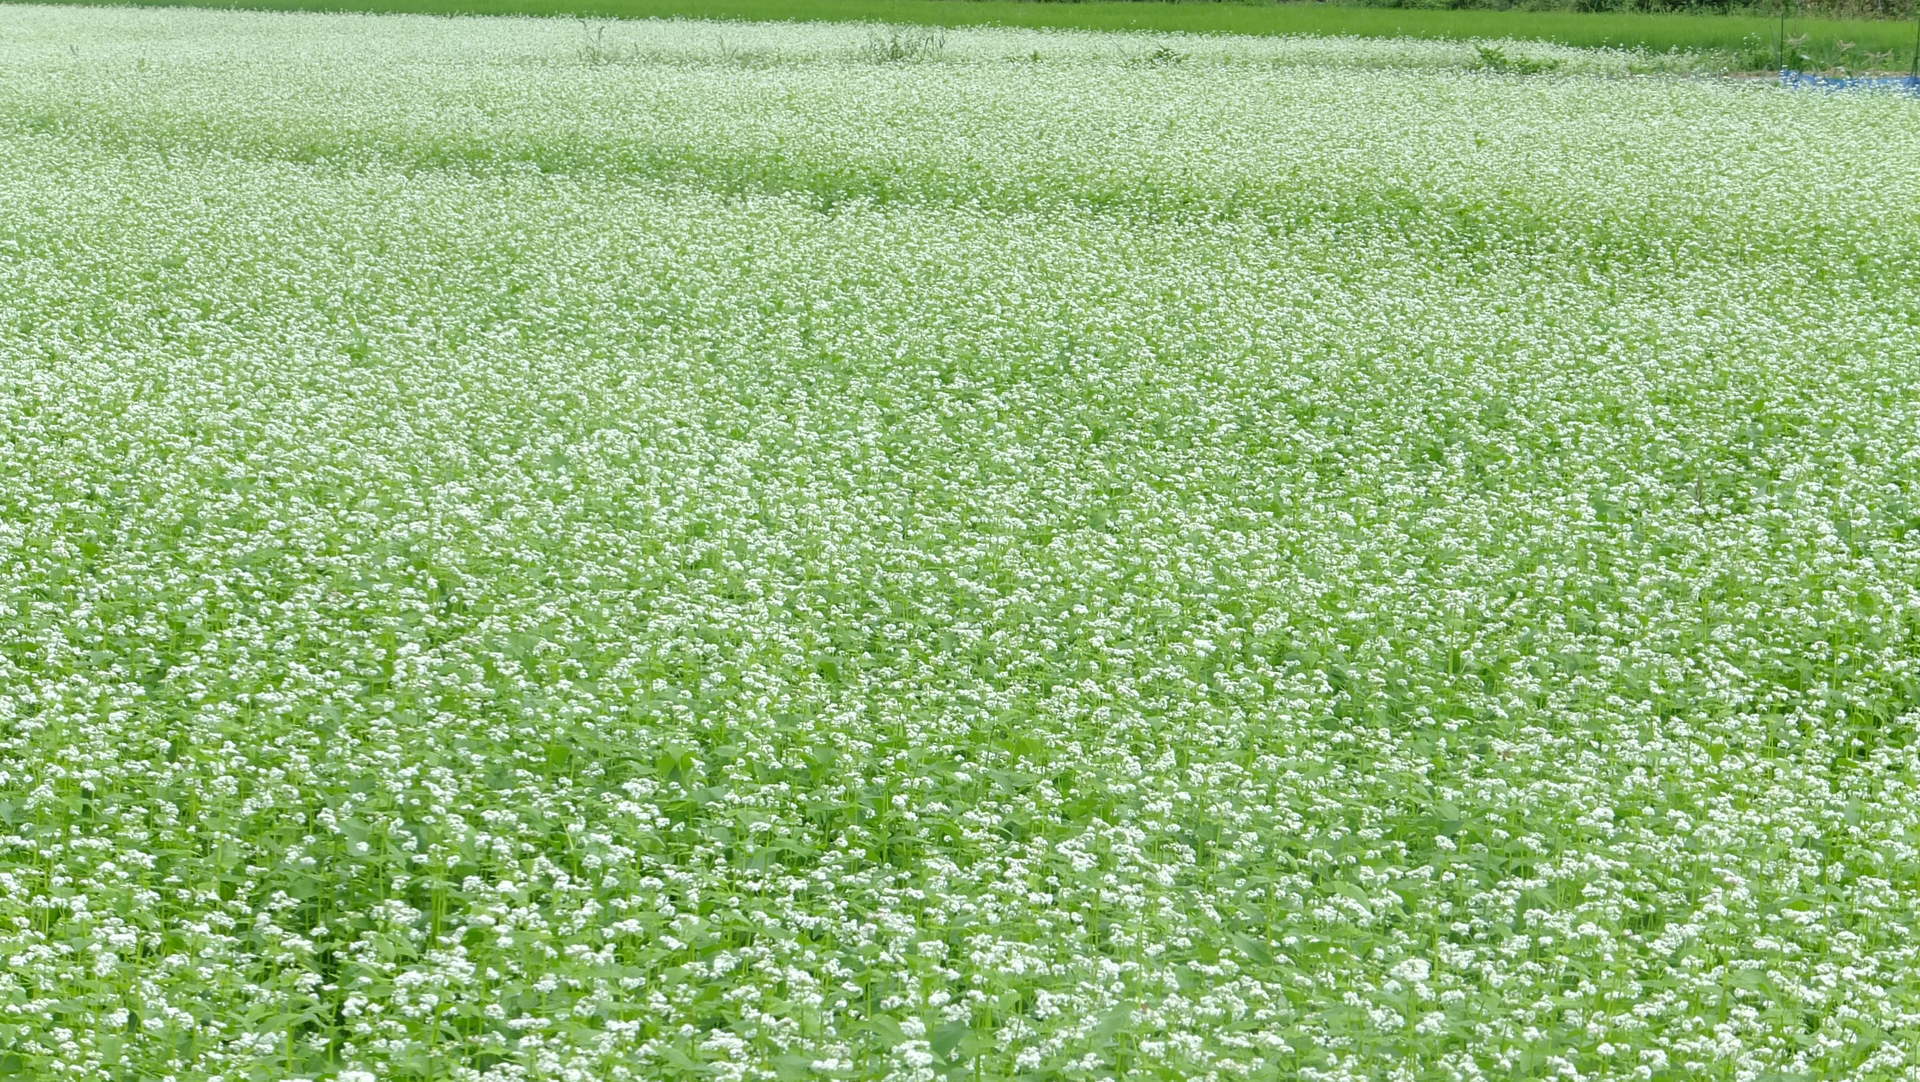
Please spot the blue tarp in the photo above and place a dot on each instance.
(1901, 84)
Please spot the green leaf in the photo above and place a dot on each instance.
(1110, 1026)
(1256, 949)
(677, 1056)
(1351, 890)
(946, 1039)
(793, 1067)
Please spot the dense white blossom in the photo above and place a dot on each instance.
(693, 551)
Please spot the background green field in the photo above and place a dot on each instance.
(1749, 39)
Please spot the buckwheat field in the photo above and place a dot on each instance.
(533, 550)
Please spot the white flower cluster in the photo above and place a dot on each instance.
(1039, 559)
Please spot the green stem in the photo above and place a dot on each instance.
(1780, 51)
(1913, 69)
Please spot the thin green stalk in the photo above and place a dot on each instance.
(1913, 69)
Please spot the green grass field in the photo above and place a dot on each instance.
(1750, 39)
(714, 552)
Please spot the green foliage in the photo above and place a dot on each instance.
(1294, 560)
(594, 48)
(1492, 58)
(1160, 57)
(900, 44)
